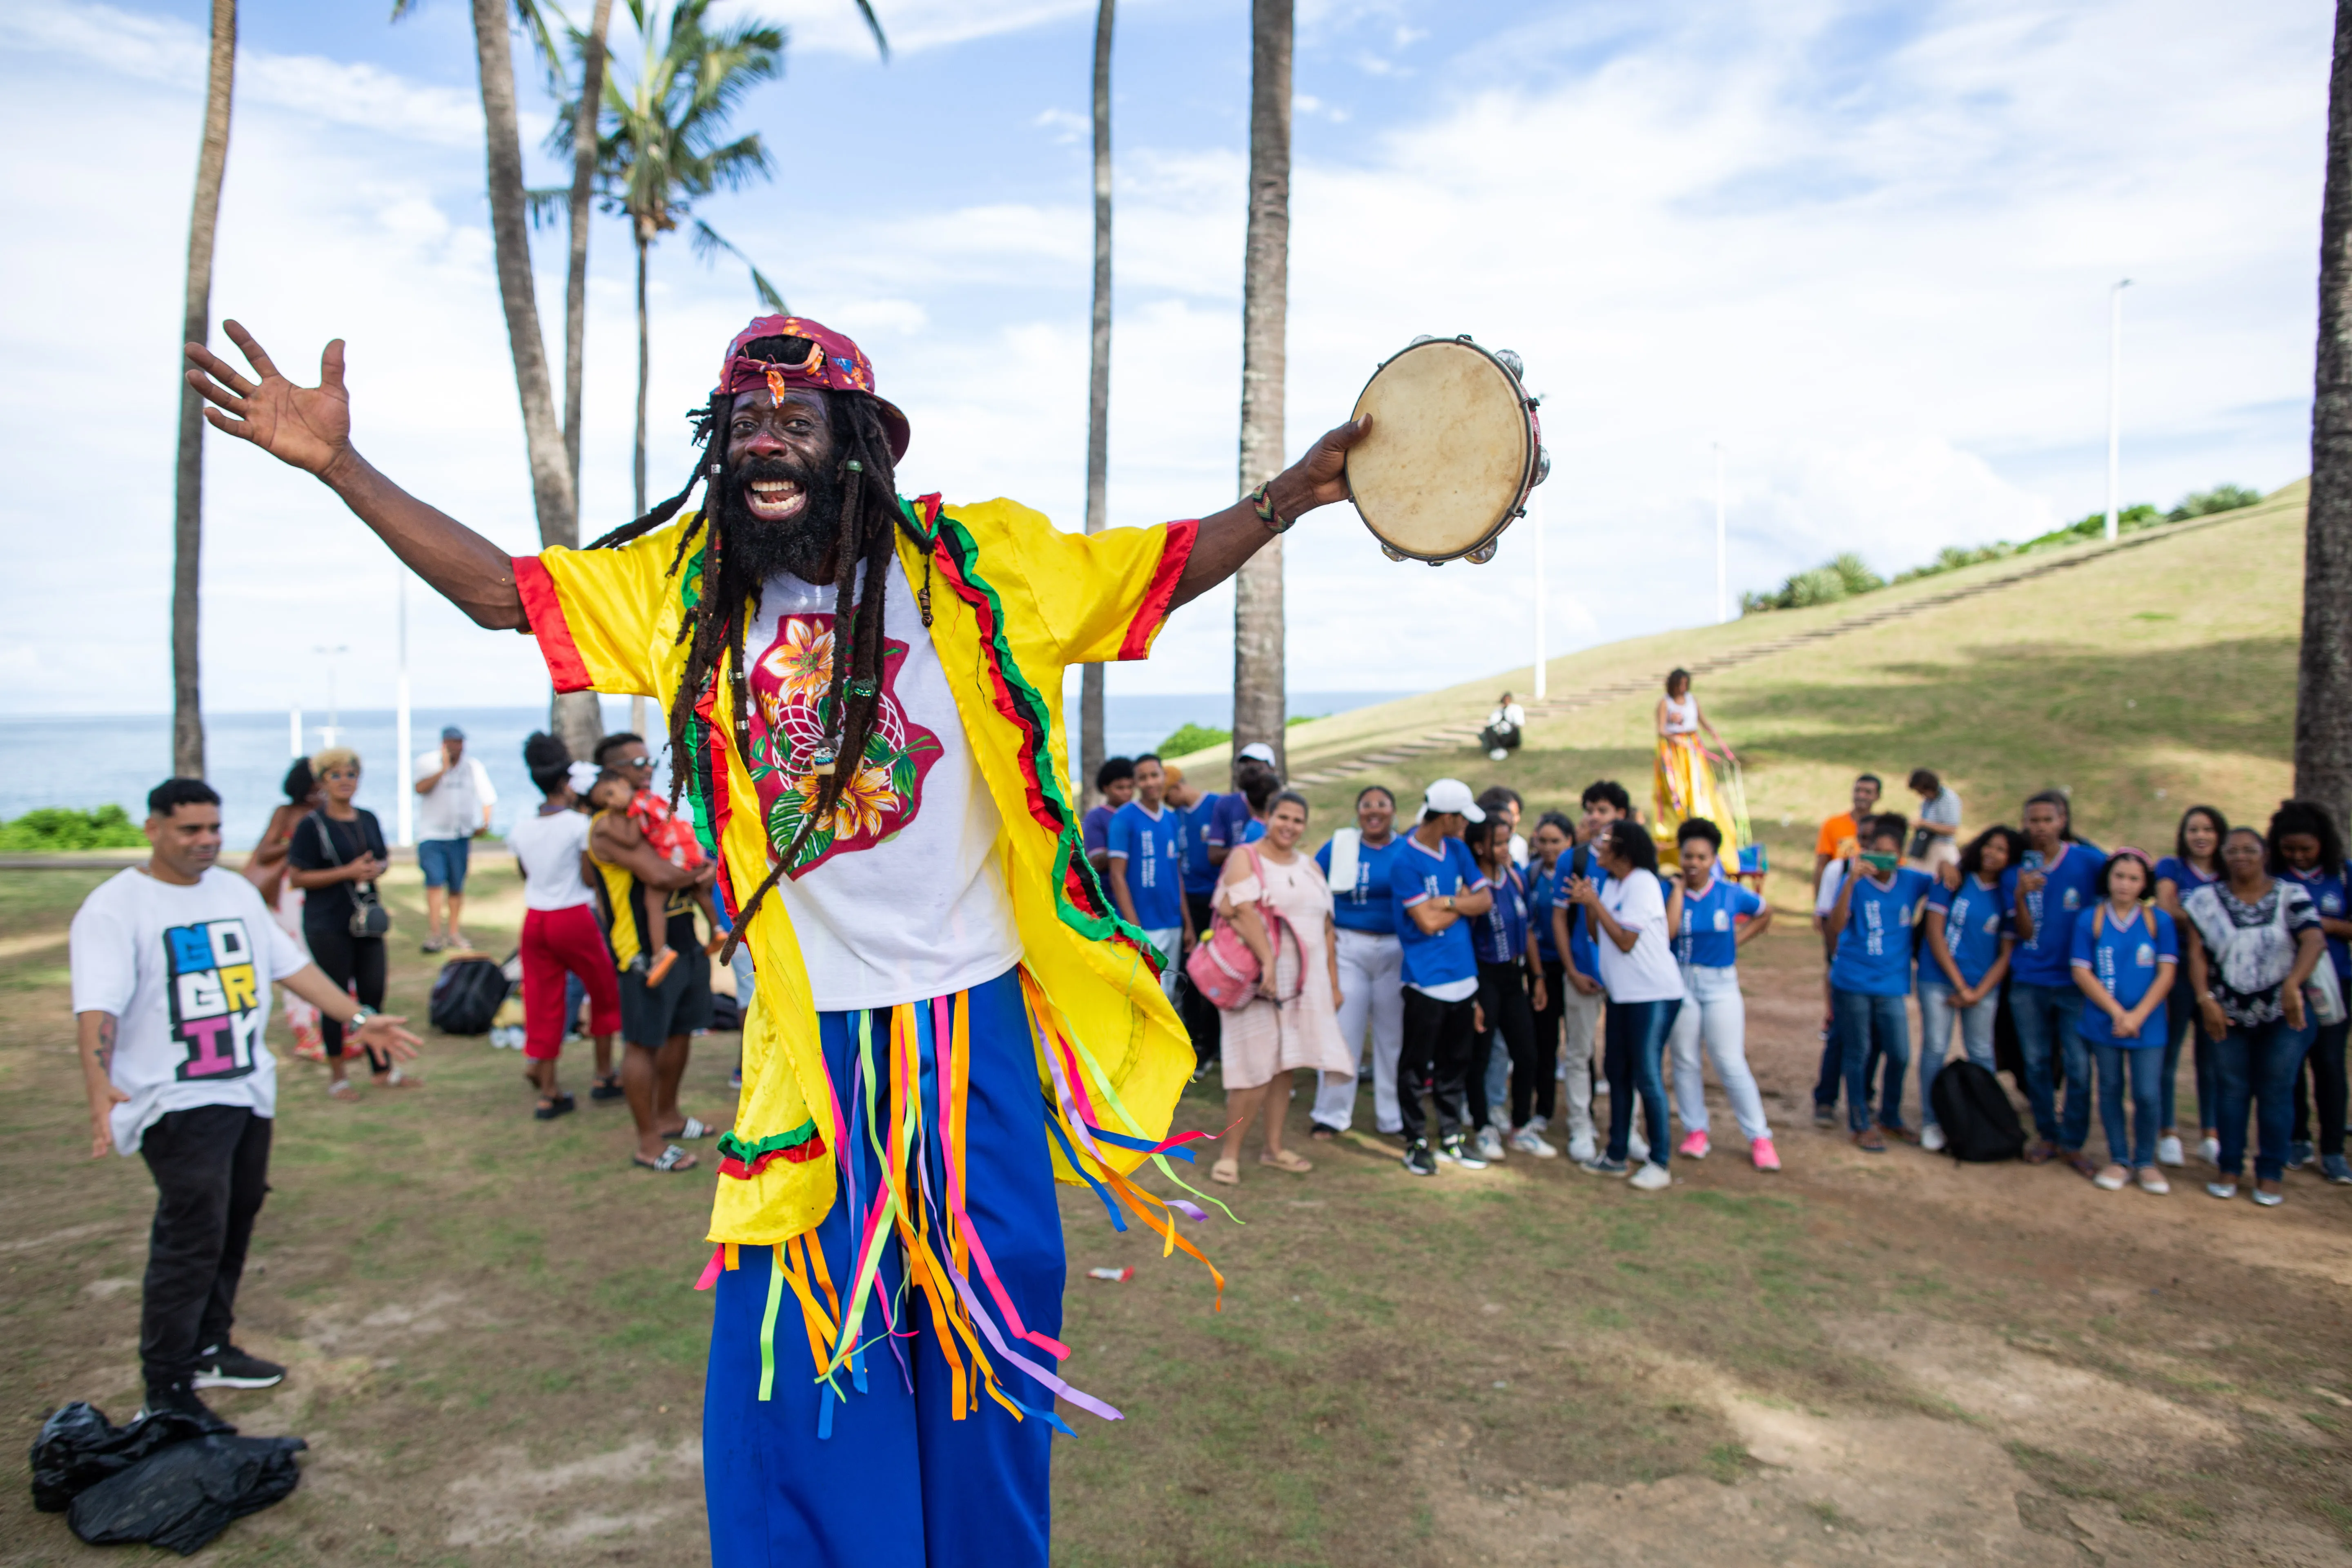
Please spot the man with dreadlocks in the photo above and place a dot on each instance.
(865, 696)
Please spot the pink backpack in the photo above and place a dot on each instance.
(1222, 968)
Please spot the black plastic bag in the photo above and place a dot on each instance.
(466, 997)
(78, 1448)
(181, 1497)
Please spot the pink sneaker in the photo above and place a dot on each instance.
(1766, 1157)
(1693, 1146)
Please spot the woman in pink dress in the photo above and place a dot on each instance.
(1278, 900)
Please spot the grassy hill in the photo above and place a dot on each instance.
(2141, 679)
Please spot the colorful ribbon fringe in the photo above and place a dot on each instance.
(885, 1150)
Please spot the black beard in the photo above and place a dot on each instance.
(802, 545)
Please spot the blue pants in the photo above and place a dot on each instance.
(2179, 1019)
(2047, 1018)
(1866, 1025)
(2254, 1066)
(899, 1483)
(2143, 1066)
(1633, 1059)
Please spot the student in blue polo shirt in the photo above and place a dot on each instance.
(1719, 917)
(1509, 979)
(1115, 780)
(1146, 875)
(1580, 997)
(1549, 849)
(1963, 962)
(2052, 888)
(2127, 953)
(1438, 890)
(2306, 848)
(1193, 810)
(2194, 861)
(1240, 818)
(1357, 862)
(1878, 906)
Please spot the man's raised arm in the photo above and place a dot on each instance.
(310, 427)
(1228, 538)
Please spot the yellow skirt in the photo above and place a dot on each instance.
(1684, 787)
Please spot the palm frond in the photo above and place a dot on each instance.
(709, 242)
(548, 207)
(874, 26)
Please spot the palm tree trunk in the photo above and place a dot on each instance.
(1090, 688)
(1258, 699)
(575, 282)
(576, 717)
(195, 327)
(2323, 698)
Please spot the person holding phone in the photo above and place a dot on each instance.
(1877, 905)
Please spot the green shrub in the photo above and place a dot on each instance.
(57, 828)
(2221, 497)
(1186, 739)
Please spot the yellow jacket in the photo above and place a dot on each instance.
(1014, 602)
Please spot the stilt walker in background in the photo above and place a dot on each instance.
(1687, 783)
(864, 696)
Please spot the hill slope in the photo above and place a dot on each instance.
(2141, 678)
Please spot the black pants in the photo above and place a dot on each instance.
(211, 1165)
(347, 958)
(1548, 1023)
(1511, 1014)
(1199, 1014)
(1439, 1037)
(2322, 1077)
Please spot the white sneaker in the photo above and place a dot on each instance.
(1650, 1178)
(1527, 1140)
(2168, 1151)
(1931, 1139)
(1490, 1145)
(1582, 1147)
(1637, 1148)
(2210, 1150)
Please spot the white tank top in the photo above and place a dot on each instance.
(1682, 717)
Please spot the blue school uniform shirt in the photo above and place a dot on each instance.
(1543, 889)
(1873, 950)
(2125, 957)
(1581, 945)
(2328, 896)
(1154, 874)
(1416, 873)
(1095, 827)
(1975, 919)
(1710, 935)
(1231, 822)
(1500, 935)
(1368, 906)
(2047, 957)
(2185, 877)
(1193, 846)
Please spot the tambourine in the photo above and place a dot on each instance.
(1452, 452)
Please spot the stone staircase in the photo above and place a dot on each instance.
(1463, 737)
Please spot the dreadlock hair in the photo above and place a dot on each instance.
(714, 627)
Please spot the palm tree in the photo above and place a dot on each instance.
(1090, 679)
(195, 327)
(2322, 702)
(583, 190)
(667, 144)
(1265, 282)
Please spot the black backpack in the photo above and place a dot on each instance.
(467, 994)
(1979, 1124)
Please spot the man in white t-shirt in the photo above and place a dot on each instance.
(172, 963)
(455, 811)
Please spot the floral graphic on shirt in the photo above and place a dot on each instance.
(792, 691)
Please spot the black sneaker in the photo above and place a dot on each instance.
(1824, 1115)
(225, 1366)
(1454, 1151)
(2298, 1155)
(1419, 1161)
(178, 1399)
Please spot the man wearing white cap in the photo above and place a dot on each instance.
(1439, 889)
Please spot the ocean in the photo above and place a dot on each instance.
(87, 763)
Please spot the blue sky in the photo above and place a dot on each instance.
(1866, 248)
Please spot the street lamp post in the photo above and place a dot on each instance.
(2115, 398)
(1722, 569)
(1535, 521)
(401, 727)
(332, 730)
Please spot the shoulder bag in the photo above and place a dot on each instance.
(369, 917)
(1222, 966)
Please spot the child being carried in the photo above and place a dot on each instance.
(672, 838)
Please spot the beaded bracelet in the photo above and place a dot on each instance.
(1263, 505)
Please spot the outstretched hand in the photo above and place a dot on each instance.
(307, 428)
(1319, 479)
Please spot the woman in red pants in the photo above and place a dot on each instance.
(559, 933)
